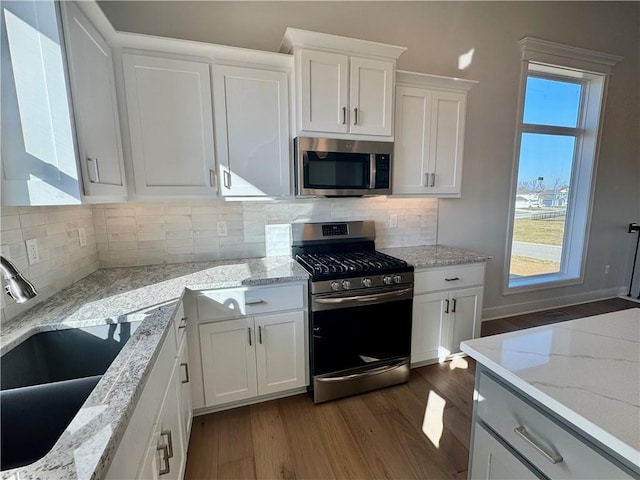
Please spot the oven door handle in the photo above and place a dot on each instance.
(364, 298)
(368, 373)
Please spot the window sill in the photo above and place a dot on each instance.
(540, 282)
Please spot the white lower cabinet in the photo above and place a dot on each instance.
(154, 445)
(167, 451)
(246, 357)
(492, 460)
(447, 309)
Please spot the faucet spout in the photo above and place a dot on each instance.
(18, 287)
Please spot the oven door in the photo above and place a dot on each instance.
(360, 332)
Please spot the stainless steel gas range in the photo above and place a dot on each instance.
(360, 304)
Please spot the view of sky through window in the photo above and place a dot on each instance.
(544, 175)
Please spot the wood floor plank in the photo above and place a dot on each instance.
(413, 449)
(234, 436)
(272, 455)
(346, 459)
(456, 385)
(430, 418)
(385, 460)
(241, 469)
(202, 455)
(311, 459)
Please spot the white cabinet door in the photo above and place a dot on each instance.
(171, 125)
(252, 131)
(464, 313)
(228, 361)
(39, 164)
(447, 141)
(492, 461)
(95, 105)
(411, 143)
(280, 352)
(371, 96)
(429, 318)
(429, 140)
(324, 100)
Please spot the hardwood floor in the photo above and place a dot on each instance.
(417, 430)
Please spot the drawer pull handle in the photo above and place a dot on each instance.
(165, 458)
(183, 323)
(254, 302)
(452, 279)
(551, 456)
(167, 433)
(186, 372)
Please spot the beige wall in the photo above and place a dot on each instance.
(436, 33)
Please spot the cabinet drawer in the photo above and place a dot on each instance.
(505, 412)
(449, 278)
(236, 302)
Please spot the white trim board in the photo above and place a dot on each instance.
(494, 313)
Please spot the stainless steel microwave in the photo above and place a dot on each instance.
(342, 168)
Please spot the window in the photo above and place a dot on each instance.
(555, 157)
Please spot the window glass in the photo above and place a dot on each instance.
(552, 102)
(539, 223)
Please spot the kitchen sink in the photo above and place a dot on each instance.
(45, 380)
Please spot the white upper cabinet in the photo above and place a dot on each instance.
(171, 126)
(371, 96)
(39, 165)
(429, 135)
(324, 91)
(251, 109)
(345, 86)
(92, 77)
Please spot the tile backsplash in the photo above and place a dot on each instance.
(62, 260)
(128, 234)
(151, 233)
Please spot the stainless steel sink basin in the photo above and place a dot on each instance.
(45, 380)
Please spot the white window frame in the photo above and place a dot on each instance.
(592, 69)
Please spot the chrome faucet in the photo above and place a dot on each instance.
(18, 287)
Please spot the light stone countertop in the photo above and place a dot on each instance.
(150, 294)
(587, 371)
(430, 256)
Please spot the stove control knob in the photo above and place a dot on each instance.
(366, 282)
(335, 286)
(387, 279)
(397, 279)
(346, 284)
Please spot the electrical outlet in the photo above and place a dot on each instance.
(32, 251)
(393, 221)
(606, 269)
(82, 236)
(222, 228)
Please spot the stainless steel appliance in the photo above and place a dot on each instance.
(360, 303)
(342, 168)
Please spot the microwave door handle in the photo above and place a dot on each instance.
(372, 171)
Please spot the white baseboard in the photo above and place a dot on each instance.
(493, 313)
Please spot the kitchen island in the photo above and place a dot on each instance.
(561, 400)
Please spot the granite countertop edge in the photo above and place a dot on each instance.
(157, 290)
